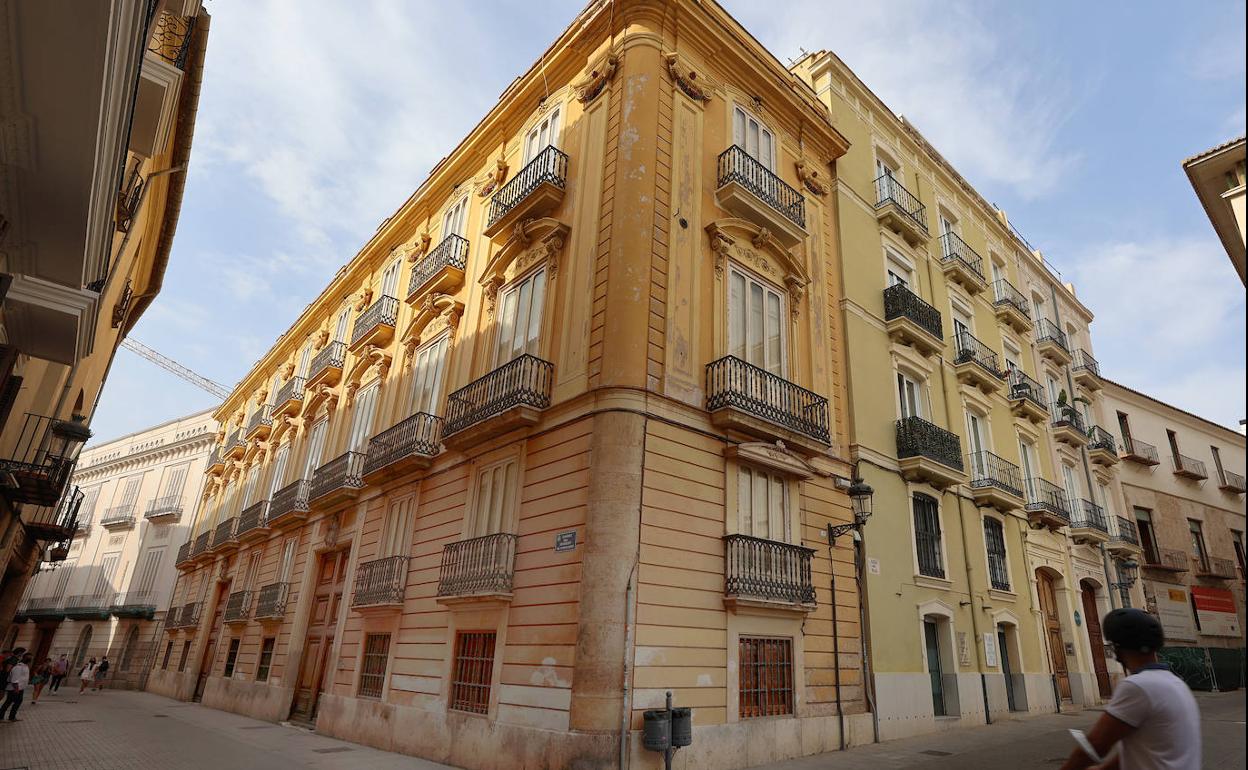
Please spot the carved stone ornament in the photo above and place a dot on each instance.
(776, 457)
(435, 314)
(288, 370)
(364, 300)
(322, 338)
(324, 393)
(491, 294)
(371, 359)
(494, 178)
(531, 241)
(589, 88)
(754, 247)
(797, 290)
(287, 422)
(262, 396)
(762, 238)
(811, 179)
(333, 526)
(687, 79)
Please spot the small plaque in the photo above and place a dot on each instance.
(565, 541)
(873, 566)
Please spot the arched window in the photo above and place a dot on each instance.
(127, 652)
(80, 652)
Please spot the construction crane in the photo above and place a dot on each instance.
(169, 365)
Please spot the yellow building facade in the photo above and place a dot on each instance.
(566, 434)
(975, 415)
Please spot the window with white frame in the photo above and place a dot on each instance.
(1027, 456)
(390, 279)
(362, 417)
(948, 227)
(249, 486)
(395, 534)
(1012, 354)
(749, 133)
(316, 445)
(962, 322)
(756, 322)
(763, 505)
(497, 490)
(544, 134)
(454, 219)
(428, 372)
(305, 360)
(899, 270)
(1072, 487)
(885, 166)
(287, 564)
(910, 395)
(520, 317)
(148, 571)
(280, 459)
(340, 327)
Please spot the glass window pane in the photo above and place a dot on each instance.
(755, 328)
(774, 349)
(744, 500)
(736, 315)
(538, 282)
(759, 506)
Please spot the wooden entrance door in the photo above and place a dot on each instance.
(210, 646)
(331, 574)
(1093, 623)
(1053, 632)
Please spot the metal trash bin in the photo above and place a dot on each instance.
(657, 730)
(682, 726)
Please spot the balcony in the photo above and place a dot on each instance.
(1102, 447)
(375, 326)
(975, 364)
(237, 608)
(380, 585)
(898, 210)
(1026, 397)
(39, 466)
(1189, 468)
(234, 445)
(82, 525)
(118, 517)
(1125, 542)
(271, 601)
(252, 525)
(164, 509)
(289, 505)
(1232, 482)
(289, 398)
(223, 536)
(1214, 568)
(261, 423)
(744, 397)
(170, 38)
(911, 321)
(410, 445)
(216, 462)
(199, 546)
(1068, 426)
(441, 271)
(534, 191)
(1047, 506)
(753, 192)
(767, 573)
(1140, 452)
(45, 608)
(326, 366)
(185, 617)
(55, 523)
(512, 396)
(929, 453)
(134, 604)
(995, 482)
(1011, 306)
(962, 264)
(336, 481)
(183, 559)
(1088, 525)
(88, 607)
(1051, 342)
(1086, 371)
(1167, 560)
(478, 569)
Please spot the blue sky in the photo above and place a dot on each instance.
(318, 119)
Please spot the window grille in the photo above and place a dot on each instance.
(373, 671)
(266, 659)
(474, 672)
(231, 657)
(766, 667)
(994, 537)
(927, 536)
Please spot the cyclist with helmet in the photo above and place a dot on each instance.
(1152, 718)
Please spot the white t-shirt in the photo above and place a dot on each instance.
(1163, 712)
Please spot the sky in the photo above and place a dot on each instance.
(318, 119)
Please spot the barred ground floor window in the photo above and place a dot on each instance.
(186, 651)
(766, 668)
(231, 657)
(373, 667)
(266, 659)
(473, 672)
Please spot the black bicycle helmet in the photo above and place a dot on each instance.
(1134, 629)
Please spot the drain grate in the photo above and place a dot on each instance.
(937, 753)
(255, 727)
(76, 721)
(333, 750)
(160, 716)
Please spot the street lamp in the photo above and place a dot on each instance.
(1128, 571)
(860, 496)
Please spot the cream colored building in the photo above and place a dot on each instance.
(110, 595)
(98, 115)
(1217, 176)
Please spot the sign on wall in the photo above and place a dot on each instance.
(1175, 611)
(1215, 609)
(990, 649)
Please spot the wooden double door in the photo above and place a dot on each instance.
(210, 646)
(314, 666)
(1053, 631)
(1092, 621)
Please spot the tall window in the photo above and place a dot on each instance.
(885, 167)
(496, 498)
(164, 663)
(899, 272)
(427, 375)
(130, 493)
(545, 133)
(766, 675)
(174, 481)
(1237, 540)
(390, 279)
(927, 536)
(763, 504)
(473, 673)
(961, 323)
(1072, 487)
(454, 218)
(266, 658)
(520, 318)
(149, 570)
(1174, 448)
(362, 417)
(279, 468)
(253, 571)
(186, 651)
(1197, 533)
(104, 578)
(89, 498)
(231, 657)
(249, 486)
(400, 519)
(340, 327)
(1124, 427)
(305, 360)
(373, 667)
(316, 445)
(948, 226)
(910, 393)
(1027, 454)
(1217, 463)
(994, 540)
(62, 580)
(755, 323)
(752, 136)
(1148, 538)
(287, 564)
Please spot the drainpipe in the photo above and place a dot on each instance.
(836, 645)
(625, 686)
(864, 626)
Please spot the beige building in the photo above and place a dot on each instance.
(109, 597)
(1217, 176)
(98, 116)
(1182, 484)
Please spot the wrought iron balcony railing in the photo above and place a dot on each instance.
(42, 459)
(451, 252)
(201, 543)
(44, 606)
(129, 197)
(1232, 482)
(271, 601)
(189, 616)
(56, 522)
(343, 472)
(171, 37)
(971, 350)
(1127, 531)
(1099, 438)
(991, 470)
(237, 607)
(1004, 293)
(955, 248)
(224, 532)
(383, 312)
(1089, 515)
(917, 437)
(1044, 496)
(1068, 416)
(234, 441)
(1215, 567)
(550, 166)
(477, 566)
(169, 505)
(1022, 386)
(732, 382)
(118, 516)
(889, 190)
(88, 605)
(1140, 450)
(737, 165)
(184, 553)
(1047, 331)
(263, 418)
(767, 570)
(1172, 559)
(523, 381)
(1190, 467)
(332, 356)
(291, 391)
(1086, 363)
(133, 604)
(419, 434)
(900, 302)
(251, 518)
(292, 498)
(380, 582)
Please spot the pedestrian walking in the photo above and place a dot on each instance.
(101, 673)
(86, 675)
(1152, 718)
(60, 669)
(15, 689)
(39, 679)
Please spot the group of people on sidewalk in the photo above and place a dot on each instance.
(17, 674)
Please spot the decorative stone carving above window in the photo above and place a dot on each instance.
(753, 247)
(321, 394)
(364, 299)
(322, 339)
(531, 241)
(687, 79)
(372, 359)
(811, 179)
(287, 370)
(493, 179)
(589, 88)
(775, 456)
(436, 313)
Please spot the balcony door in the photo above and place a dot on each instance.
(751, 135)
(148, 572)
(1148, 539)
(427, 376)
(130, 494)
(1026, 454)
(976, 441)
(249, 486)
(174, 481)
(544, 134)
(454, 219)
(520, 318)
(756, 323)
(763, 505)
(1071, 485)
(910, 393)
(340, 327)
(104, 578)
(390, 279)
(316, 445)
(279, 468)
(305, 361)
(362, 417)
(496, 495)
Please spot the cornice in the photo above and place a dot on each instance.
(151, 456)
